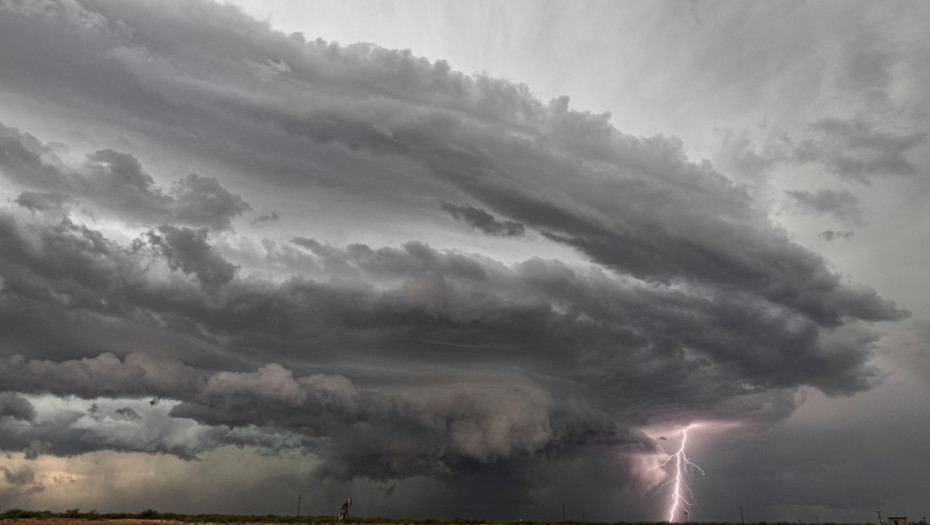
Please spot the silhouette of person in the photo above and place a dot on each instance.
(344, 511)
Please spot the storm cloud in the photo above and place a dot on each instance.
(595, 286)
(484, 221)
(114, 181)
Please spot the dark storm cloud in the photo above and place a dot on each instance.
(199, 200)
(858, 149)
(445, 300)
(370, 434)
(42, 201)
(830, 235)
(114, 181)
(484, 221)
(643, 209)
(691, 306)
(187, 250)
(839, 203)
(35, 448)
(16, 407)
(543, 315)
(102, 376)
(265, 217)
(385, 437)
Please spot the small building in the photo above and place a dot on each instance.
(897, 521)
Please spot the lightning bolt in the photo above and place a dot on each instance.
(681, 495)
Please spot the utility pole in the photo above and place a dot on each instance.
(563, 513)
(741, 515)
(298, 505)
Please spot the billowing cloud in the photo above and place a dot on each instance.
(371, 333)
(187, 250)
(114, 181)
(16, 407)
(200, 200)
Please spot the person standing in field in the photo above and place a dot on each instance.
(344, 511)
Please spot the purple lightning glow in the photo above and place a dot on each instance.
(681, 495)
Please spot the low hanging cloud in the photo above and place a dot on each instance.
(369, 434)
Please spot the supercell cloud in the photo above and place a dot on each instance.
(459, 283)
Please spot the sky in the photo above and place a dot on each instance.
(465, 259)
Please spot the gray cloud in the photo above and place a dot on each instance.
(24, 476)
(187, 250)
(682, 242)
(42, 201)
(857, 149)
(369, 434)
(132, 425)
(265, 217)
(392, 360)
(200, 200)
(455, 299)
(484, 221)
(16, 407)
(830, 235)
(102, 376)
(36, 448)
(112, 180)
(840, 204)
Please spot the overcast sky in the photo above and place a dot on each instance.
(465, 259)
